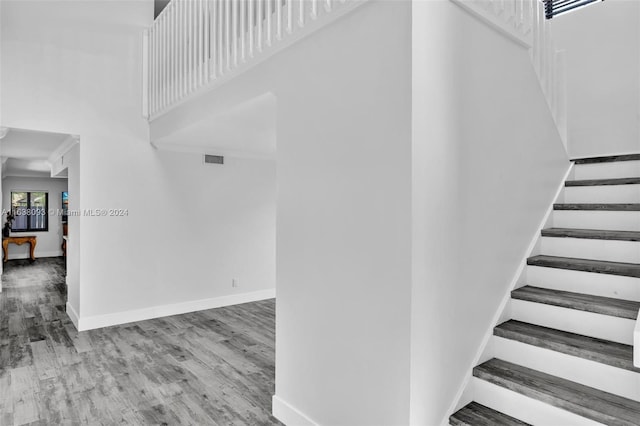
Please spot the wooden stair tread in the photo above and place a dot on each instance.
(474, 414)
(606, 159)
(586, 265)
(582, 302)
(598, 206)
(594, 234)
(600, 182)
(598, 350)
(579, 399)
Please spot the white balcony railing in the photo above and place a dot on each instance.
(524, 21)
(197, 43)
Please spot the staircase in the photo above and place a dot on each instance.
(566, 357)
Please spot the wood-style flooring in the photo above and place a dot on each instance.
(204, 368)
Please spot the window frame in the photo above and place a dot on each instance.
(46, 211)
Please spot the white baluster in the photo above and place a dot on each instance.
(207, 36)
(243, 30)
(189, 27)
(184, 19)
(259, 28)
(314, 9)
(159, 50)
(167, 58)
(234, 31)
(548, 56)
(152, 68)
(301, 13)
(157, 66)
(163, 46)
(213, 39)
(289, 16)
(268, 21)
(328, 5)
(252, 23)
(220, 31)
(178, 53)
(146, 78)
(196, 45)
(278, 19)
(170, 54)
(227, 24)
(174, 53)
(201, 39)
(168, 63)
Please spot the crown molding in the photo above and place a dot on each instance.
(55, 160)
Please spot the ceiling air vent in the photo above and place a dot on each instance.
(213, 159)
(558, 7)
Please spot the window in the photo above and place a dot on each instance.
(30, 210)
(65, 206)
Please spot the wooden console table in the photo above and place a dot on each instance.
(19, 240)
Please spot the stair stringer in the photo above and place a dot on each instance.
(466, 392)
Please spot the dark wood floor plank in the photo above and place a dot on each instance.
(25, 388)
(602, 351)
(606, 159)
(623, 207)
(474, 414)
(593, 234)
(6, 399)
(585, 401)
(209, 367)
(586, 265)
(582, 302)
(603, 182)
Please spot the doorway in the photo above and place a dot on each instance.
(38, 193)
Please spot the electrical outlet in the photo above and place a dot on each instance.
(234, 282)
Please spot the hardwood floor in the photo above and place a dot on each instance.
(205, 368)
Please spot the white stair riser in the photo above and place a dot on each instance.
(590, 373)
(607, 220)
(617, 169)
(524, 408)
(602, 194)
(586, 323)
(611, 250)
(615, 286)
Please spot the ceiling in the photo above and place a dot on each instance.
(26, 153)
(246, 130)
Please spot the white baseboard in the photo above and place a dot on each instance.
(72, 314)
(38, 254)
(288, 415)
(106, 320)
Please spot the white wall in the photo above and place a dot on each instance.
(343, 217)
(487, 160)
(72, 160)
(344, 177)
(50, 242)
(603, 67)
(2, 217)
(75, 67)
(344, 220)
